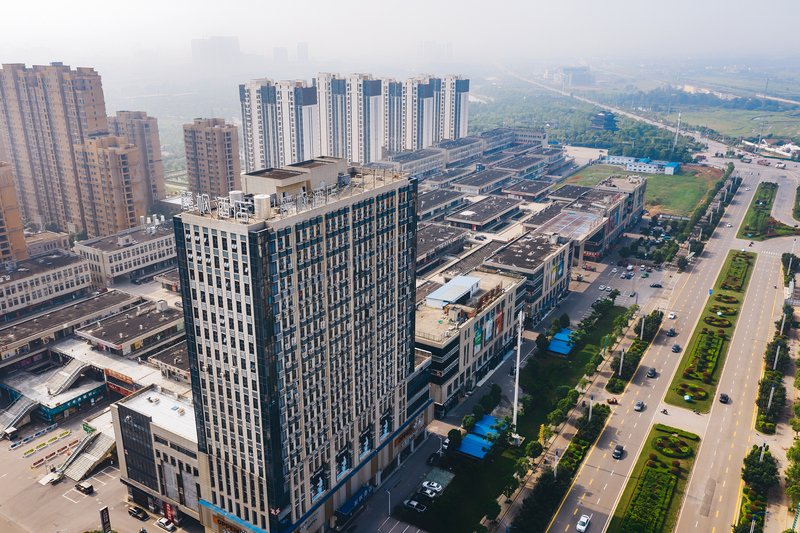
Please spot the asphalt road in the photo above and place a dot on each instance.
(601, 480)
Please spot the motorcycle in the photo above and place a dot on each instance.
(664, 411)
(612, 401)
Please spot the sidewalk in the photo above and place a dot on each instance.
(564, 435)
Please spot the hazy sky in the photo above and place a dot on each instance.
(350, 31)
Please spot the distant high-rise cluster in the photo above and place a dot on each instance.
(355, 117)
(53, 129)
(212, 156)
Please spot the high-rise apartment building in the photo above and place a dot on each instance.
(212, 156)
(300, 337)
(281, 123)
(45, 111)
(358, 118)
(142, 131)
(113, 189)
(12, 233)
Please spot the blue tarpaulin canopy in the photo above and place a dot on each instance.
(477, 443)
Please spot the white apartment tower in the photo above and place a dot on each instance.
(300, 337)
(281, 123)
(364, 119)
(332, 98)
(455, 107)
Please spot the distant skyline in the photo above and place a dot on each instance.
(356, 32)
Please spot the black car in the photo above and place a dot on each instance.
(619, 449)
(138, 512)
(676, 348)
(656, 285)
(651, 372)
(724, 398)
(671, 332)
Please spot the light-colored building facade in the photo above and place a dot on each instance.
(46, 111)
(466, 327)
(332, 99)
(41, 282)
(309, 301)
(113, 190)
(141, 130)
(281, 123)
(212, 156)
(455, 107)
(131, 254)
(12, 232)
(155, 428)
(644, 165)
(45, 242)
(364, 119)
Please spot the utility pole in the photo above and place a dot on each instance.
(641, 334)
(763, 449)
(591, 404)
(555, 467)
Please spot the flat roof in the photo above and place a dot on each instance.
(570, 192)
(450, 175)
(275, 173)
(34, 386)
(168, 412)
(135, 236)
(626, 184)
(530, 187)
(526, 253)
(485, 210)
(176, 356)
(427, 287)
(602, 196)
(65, 316)
(431, 200)
(44, 236)
(434, 236)
(521, 162)
(494, 158)
(39, 265)
(140, 373)
(572, 225)
(484, 177)
(168, 276)
(132, 324)
(545, 214)
(457, 143)
(520, 148)
(416, 155)
(454, 289)
(474, 258)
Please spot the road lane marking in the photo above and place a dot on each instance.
(605, 486)
(591, 481)
(575, 512)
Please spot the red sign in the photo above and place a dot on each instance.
(169, 512)
(120, 390)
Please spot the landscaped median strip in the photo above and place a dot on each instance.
(653, 495)
(758, 223)
(695, 383)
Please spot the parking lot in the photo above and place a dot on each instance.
(27, 506)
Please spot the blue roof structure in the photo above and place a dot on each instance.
(561, 343)
(673, 164)
(477, 443)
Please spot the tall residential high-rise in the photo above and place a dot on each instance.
(113, 189)
(332, 98)
(281, 123)
(393, 124)
(422, 100)
(455, 107)
(364, 119)
(12, 233)
(300, 336)
(142, 131)
(212, 156)
(45, 111)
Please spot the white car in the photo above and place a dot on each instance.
(613, 270)
(432, 485)
(638, 406)
(672, 316)
(602, 287)
(165, 524)
(728, 225)
(583, 523)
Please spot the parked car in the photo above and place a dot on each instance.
(166, 524)
(619, 449)
(724, 398)
(138, 512)
(602, 287)
(583, 523)
(428, 493)
(638, 406)
(645, 275)
(445, 444)
(608, 288)
(415, 505)
(84, 487)
(432, 485)
(613, 270)
(622, 276)
(632, 294)
(672, 315)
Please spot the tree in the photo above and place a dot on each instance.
(478, 411)
(509, 489)
(761, 475)
(564, 321)
(455, 439)
(613, 295)
(682, 263)
(468, 422)
(541, 342)
(533, 449)
(492, 509)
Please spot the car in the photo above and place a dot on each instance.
(602, 287)
(512, 371)
(622, 276)
(445, 444)
(632, 294)
(428, 493)
(166, 524)
(649, 269)
(724, 398)
(613, 270)
(138, 512)
(629, 275)
(676, 348)
(619, 449)
(671, 332)
(728, 225)
(84, 487)
(651, 372)
(638, 406)
(433, 459)
(672, 315)
(415, 505)
(645, 275)
(432, 485)
(608, 288)
(583, 523)
(642, 268)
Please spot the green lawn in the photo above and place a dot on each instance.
(663, 466)
(675, 195)
(703, 330)
(740, 122)
(796, 210)
(477, 483)
(758, 224)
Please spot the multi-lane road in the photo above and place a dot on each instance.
(727, 431)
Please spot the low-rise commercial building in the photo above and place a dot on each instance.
(132, 254)
(41, 282)
(528, 190)
(483, 182)
(45, 242)
(460, 151)
(418, 163)
(445, 178)
(465, 327)
(544, 262)
(489, 214)
(173, 362)
(156, 429)
(435, 241)
(438, 202)
(643, 164)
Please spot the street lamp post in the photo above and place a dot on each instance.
(621, 361)
(390, 500)
(516, 373)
